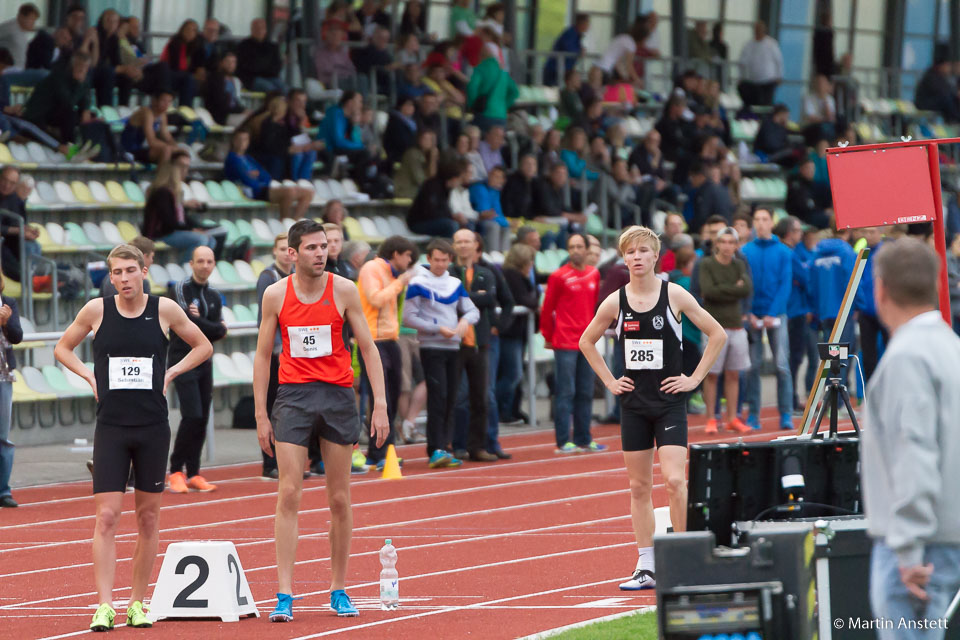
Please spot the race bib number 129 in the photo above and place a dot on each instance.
(131, 373)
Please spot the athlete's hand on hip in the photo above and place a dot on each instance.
(678, 384)
(265, 436)
(92, 381)
(167, 379)
(620, 386)
(379, 426)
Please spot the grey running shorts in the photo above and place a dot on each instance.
(330, 408)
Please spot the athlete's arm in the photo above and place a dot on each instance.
(606, 315)
(87, 320)
(270, 312)
(173, 316)
(353, 312)
(683, 301)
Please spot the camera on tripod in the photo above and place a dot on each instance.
(837, 354)
(834, 352)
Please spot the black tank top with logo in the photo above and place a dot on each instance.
(650, 348)
(129, 363)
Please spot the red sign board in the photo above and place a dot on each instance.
(878, 187)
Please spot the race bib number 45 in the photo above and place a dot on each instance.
(131, 373)
(643, 354)
(310, 342)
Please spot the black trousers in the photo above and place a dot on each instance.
(195, 391)
(440, 370)
(870, 328)
(392, 370)
(313, 450)
(757, 93)
(471, 419)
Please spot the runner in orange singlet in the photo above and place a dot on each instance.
(316, 390)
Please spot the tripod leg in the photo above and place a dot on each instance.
(834, 409)
(853, 417)
(818, 420)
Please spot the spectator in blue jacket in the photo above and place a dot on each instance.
(343, 137)
(485, 200)
(873, 335)
(570, 42)
(829, 275)
(240, 167)
(803, 337)
(772, 270)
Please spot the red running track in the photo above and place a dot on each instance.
(488, 550)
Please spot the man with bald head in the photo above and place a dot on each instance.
(203, 305)
(258, 60)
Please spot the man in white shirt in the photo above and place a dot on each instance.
(15, 34)
(761, 68)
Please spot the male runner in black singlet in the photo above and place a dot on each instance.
(130, 384)
(653, 390)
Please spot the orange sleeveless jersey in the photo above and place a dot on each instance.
(312, 336)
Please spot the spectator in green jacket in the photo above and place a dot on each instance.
(61, 101)
(490, 93)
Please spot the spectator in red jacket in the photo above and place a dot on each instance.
(575, 284)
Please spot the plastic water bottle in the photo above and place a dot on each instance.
(389, 578)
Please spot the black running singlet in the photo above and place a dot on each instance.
(650, 347)
(129, 363)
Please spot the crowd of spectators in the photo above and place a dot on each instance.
(480, 180)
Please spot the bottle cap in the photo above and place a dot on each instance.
(388, 541)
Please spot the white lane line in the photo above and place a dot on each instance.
(258, 541)
(458, 473)
(439, 573)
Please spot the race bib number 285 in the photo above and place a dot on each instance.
(643, 354)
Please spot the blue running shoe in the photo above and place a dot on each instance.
(753, 422)
(786, 421)
(340, 602)
(382, 464)
(440, 458)
(284, 610)
(594, 446)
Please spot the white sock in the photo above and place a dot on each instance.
(645, 560)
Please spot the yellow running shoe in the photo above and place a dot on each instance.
(103, 618)
(137, 617)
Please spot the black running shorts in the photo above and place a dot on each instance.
(640, 428)
(329, 408)
(115, 448)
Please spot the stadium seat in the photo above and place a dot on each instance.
(262, 230)
(35, 380)
(382, 226)
(23, 393)
(133, 191)
(242, 313)
(64, 192)
(95, 234)
(76, 236)
(5, 156)
(232, 192)
(46, 192)
(276, 226)
(56, 233)
(244, 271)
(257, 266)
(127, 231)
(207, 119)
(186, 192)
(229, 273)
(111, 233)
(99, 192)
(20, 153)
(224, 370)
(159, 275)
(323, 193)
(57, 381)
(77, 382)
(216, 192)
(336, 189)
(227, 314)
(177, 272)
(82, 192)
(242, 365)
(37, 153)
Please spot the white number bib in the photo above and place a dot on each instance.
(643, 354)
(131, 373)
(310, 342)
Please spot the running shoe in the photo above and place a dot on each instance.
(177, 483)
(284, 610)
(359, 462)
(340, 602)
(753, 422)
(786, 422)
(641, 579)
(695, 404)
(103, 618)
(383, 463)
(439, 458)
(568, 447)
(197, 483)
(711, 427)
(594, 447)
(136, 617)
(737, 425)
(318, 469)
(452, 463)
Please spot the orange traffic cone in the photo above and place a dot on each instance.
(391, 466)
